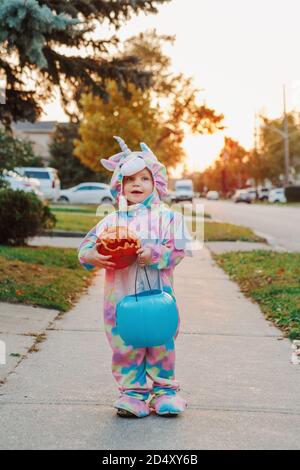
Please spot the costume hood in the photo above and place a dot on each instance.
(127, 163)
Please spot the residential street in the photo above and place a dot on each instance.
(280, 222)
(233, 366)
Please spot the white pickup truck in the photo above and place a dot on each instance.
(184, 190)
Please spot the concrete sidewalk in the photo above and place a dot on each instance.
(21, 328)
(233, 366)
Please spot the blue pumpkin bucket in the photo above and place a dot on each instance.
(148, 318)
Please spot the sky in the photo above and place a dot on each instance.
(240, 52)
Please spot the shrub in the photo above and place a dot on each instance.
(22, 216)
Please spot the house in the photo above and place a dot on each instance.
(39, 133)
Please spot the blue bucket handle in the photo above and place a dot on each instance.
(136, 274)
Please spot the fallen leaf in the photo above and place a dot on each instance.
(19, 292)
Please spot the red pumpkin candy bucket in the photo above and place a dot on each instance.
(121, 243)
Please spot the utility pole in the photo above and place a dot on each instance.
(285, 135)
(286, 142)
(255, 144)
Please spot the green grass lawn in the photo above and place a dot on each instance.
(69, 219)
(81, 208)
(75, 221)
(77, 218)
(219, 231)
(271, 279)
(83, 218)
(44, 276)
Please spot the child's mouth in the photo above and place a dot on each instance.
(136, 192)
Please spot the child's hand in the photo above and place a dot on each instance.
(144, 256)
(98, 260)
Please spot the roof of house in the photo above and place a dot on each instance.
(39, 126)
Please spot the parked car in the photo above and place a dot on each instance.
(263, 194)
(169, 198)
(184, 190)
(277, 195)
(242, 195)
(48, 177)
(87, 193)
(252, 193)
(212, 195)
(29, 185)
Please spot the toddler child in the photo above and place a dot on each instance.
(138, 182)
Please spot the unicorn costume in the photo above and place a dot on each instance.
(165, 233)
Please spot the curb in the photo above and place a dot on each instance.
(270, 240)
(62, 233)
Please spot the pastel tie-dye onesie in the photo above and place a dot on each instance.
(165, 233)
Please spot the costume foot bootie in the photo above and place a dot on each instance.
(130, 407)
(167, 405)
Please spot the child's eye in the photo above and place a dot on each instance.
(145, 178)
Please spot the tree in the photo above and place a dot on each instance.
(258, 167)
(165, 112)
(37, 41)
(148, 46)
(230, 171)
(71, 170)
(135, 121)
(234, 169)
(16, 152)
(175, 92)
(268, 160)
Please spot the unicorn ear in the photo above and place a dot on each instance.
(108, 164)
(144, 147)
(112, 162)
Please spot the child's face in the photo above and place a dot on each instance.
(138, 186)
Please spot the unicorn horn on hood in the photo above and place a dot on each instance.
(123, 146)
(145, 147)
(112, 162)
